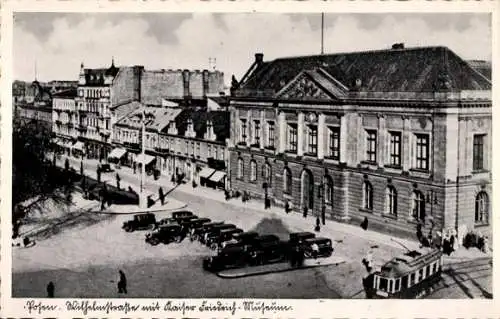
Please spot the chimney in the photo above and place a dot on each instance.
(185, 80)
(259, 58)
(137, 82)
(205, 82)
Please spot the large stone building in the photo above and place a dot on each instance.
(65, 121)
(400, 136)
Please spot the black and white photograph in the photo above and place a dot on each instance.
(279, 156)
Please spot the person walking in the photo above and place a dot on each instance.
(118, 181)
(315, 250)
(162, 196)
(304, 212)
(122, 283)
(364, 223)
(50, 290)
(287, 206)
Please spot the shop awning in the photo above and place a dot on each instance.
(217, 176)
(78, 146)
(144, 159)
(206, 172)
(117, 153)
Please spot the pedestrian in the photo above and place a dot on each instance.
(122, 283)
(50, 290)
(364, 223)
(118, 181)
(314, 250)
(98, 174)
(419, 232)
(318, 227)
(454, 241)
(446, 245)
(438, 240)
(267, 203)
(367, 261)
(323, 215)
(287, 206)
(162, 196)
(304, 212)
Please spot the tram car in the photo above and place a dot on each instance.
(410, 276)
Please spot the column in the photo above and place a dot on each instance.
(282, 132)
(300, 134)
(406, 143)
(321, 136)
(381, 141)
(343, 139)
(249, 128)
(263, 127)
(469, 144)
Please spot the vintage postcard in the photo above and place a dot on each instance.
(248, 160)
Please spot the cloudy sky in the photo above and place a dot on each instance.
(59, 42)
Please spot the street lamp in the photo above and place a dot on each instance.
(321, 196)
(143, 203)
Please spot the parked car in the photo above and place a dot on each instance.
(229, 257)
(217, 240)
(166, 234)
(182, 213)
(325, 248)
(166, 221)
(105, 168)
(214, 232)
(267, 249)
(195, 222)
(200, 231)
(140, 222)
(184, 219)
(245, 237)
(298, 238)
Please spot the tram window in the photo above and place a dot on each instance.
(404, 282)
(382, 284)
(390, 285)
(428, 270)
(420, 275)
(434, 267)
(397, 285)
(412, 279)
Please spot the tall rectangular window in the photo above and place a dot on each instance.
(478, 152)
(334, 143)
(256, 133)
(243, 130)
(422, 151)
(371, 146)
(292, 138)
(395, 149)
(209, 152)
(270, 134)
(312, 136)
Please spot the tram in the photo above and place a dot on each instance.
(410, 276)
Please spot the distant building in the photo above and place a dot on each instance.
(65, 120)
(103, 97)
(399, 136)
(35, 106)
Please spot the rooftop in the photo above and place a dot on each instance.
(409, 262)
(157, 118)
(421, 69)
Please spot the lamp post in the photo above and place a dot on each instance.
(431, 198)
(321, 196)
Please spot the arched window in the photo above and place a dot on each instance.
(240, 168)
(391, 201)
(418, 206)
(253, 170)
(328, 190)
(267, 174)
(481, 212)
(287, 181)
(367, 195)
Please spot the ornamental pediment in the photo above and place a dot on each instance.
(313, 86)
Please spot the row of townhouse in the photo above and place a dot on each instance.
(186, 128)
(400, 136)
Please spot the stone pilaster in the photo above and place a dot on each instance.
(300, 134)
(406, 144)
(321, 136)
(343, 139)
(263, 127)
(381, 138)
(282, 132)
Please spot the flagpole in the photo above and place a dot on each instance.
(322, 32)
(142, 200)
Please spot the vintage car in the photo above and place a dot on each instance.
(183, 219)
(105, 168)
(140, 222)
(229, 257)
(217, 240)
(166, 234)
(267, 249)
(245, 237)
(182, 213)
(166, 221)
(195, 223)
(199, 232)
(214, 232)
(325, 248)
(298, 238)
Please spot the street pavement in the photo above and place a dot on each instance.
(86, 260)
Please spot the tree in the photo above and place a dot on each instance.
(33, 175)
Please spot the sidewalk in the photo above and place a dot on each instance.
(295, 219)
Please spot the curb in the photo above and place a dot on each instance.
(265, 272)
(184, 205)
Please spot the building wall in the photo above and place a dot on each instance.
(156, 85)
(447, 160)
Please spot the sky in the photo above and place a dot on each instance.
(57, 43)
